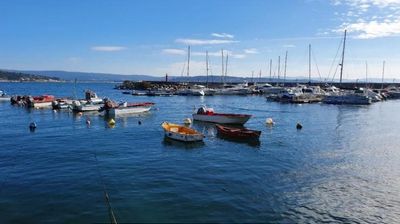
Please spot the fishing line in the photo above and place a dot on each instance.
(111, 214)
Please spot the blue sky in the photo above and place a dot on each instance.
(151, 37)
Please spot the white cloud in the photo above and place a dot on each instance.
(251, 51)
(223, 35)
(374, 18)
(174, 51)
(288, 46)
(203, 41)
(108, 48)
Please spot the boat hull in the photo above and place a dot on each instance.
(127, 110)
(222, 119)
(179, 133)
(5, 98)
(238, 133)
(41, 105)
(87, 108)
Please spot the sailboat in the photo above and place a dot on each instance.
(195, 90)
(346, 97)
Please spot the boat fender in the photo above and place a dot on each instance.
(299, 126)
(88, 122)
(269, 121)
(32, 126)
(187, 121)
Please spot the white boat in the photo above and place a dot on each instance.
(208, 115)
(195, 90)
(239, 89)
(4, 96)
(347, 98)
(181, 133)
(79, 107)
(125, 108)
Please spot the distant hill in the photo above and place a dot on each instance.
(24, 77)
(89, 76)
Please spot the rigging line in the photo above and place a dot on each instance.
(337, 66)
(316, 65)
(113, 220)
(333, 62)
(183, 68)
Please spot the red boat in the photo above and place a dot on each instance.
(238, 133)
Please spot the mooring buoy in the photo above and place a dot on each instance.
(299, 126)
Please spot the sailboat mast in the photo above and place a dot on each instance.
(366, 74)
(270, 70)
(341, 65)
(279, 68)
(260, 76)
(309, 64)
(226, 66)
(222, 60)
(188, 62)
(284, 73)
(207, 68)
(383, 73)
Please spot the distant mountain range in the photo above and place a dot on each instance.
(107, 77)
(25, 77)
(91, 76)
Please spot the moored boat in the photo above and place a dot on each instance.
(208, 115)
(4, 96)
(43, 101)
(238, 133)
(181, 133)
(85, 107)
(113, 109)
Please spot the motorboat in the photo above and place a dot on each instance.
(181, 133)
(208, 115)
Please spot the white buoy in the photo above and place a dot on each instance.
(187, 121)
(269, 121)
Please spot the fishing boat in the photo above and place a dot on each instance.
(112, 109)
(4, 96)
(40, 101)
(238, 133)
(181, 133)
(208, 115)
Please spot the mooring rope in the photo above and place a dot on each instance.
(111, 214)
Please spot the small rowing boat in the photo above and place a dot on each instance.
(181, 133)
(208, 115)
(113, 109)
(238, 133)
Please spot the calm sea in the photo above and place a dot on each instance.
(343, 166)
